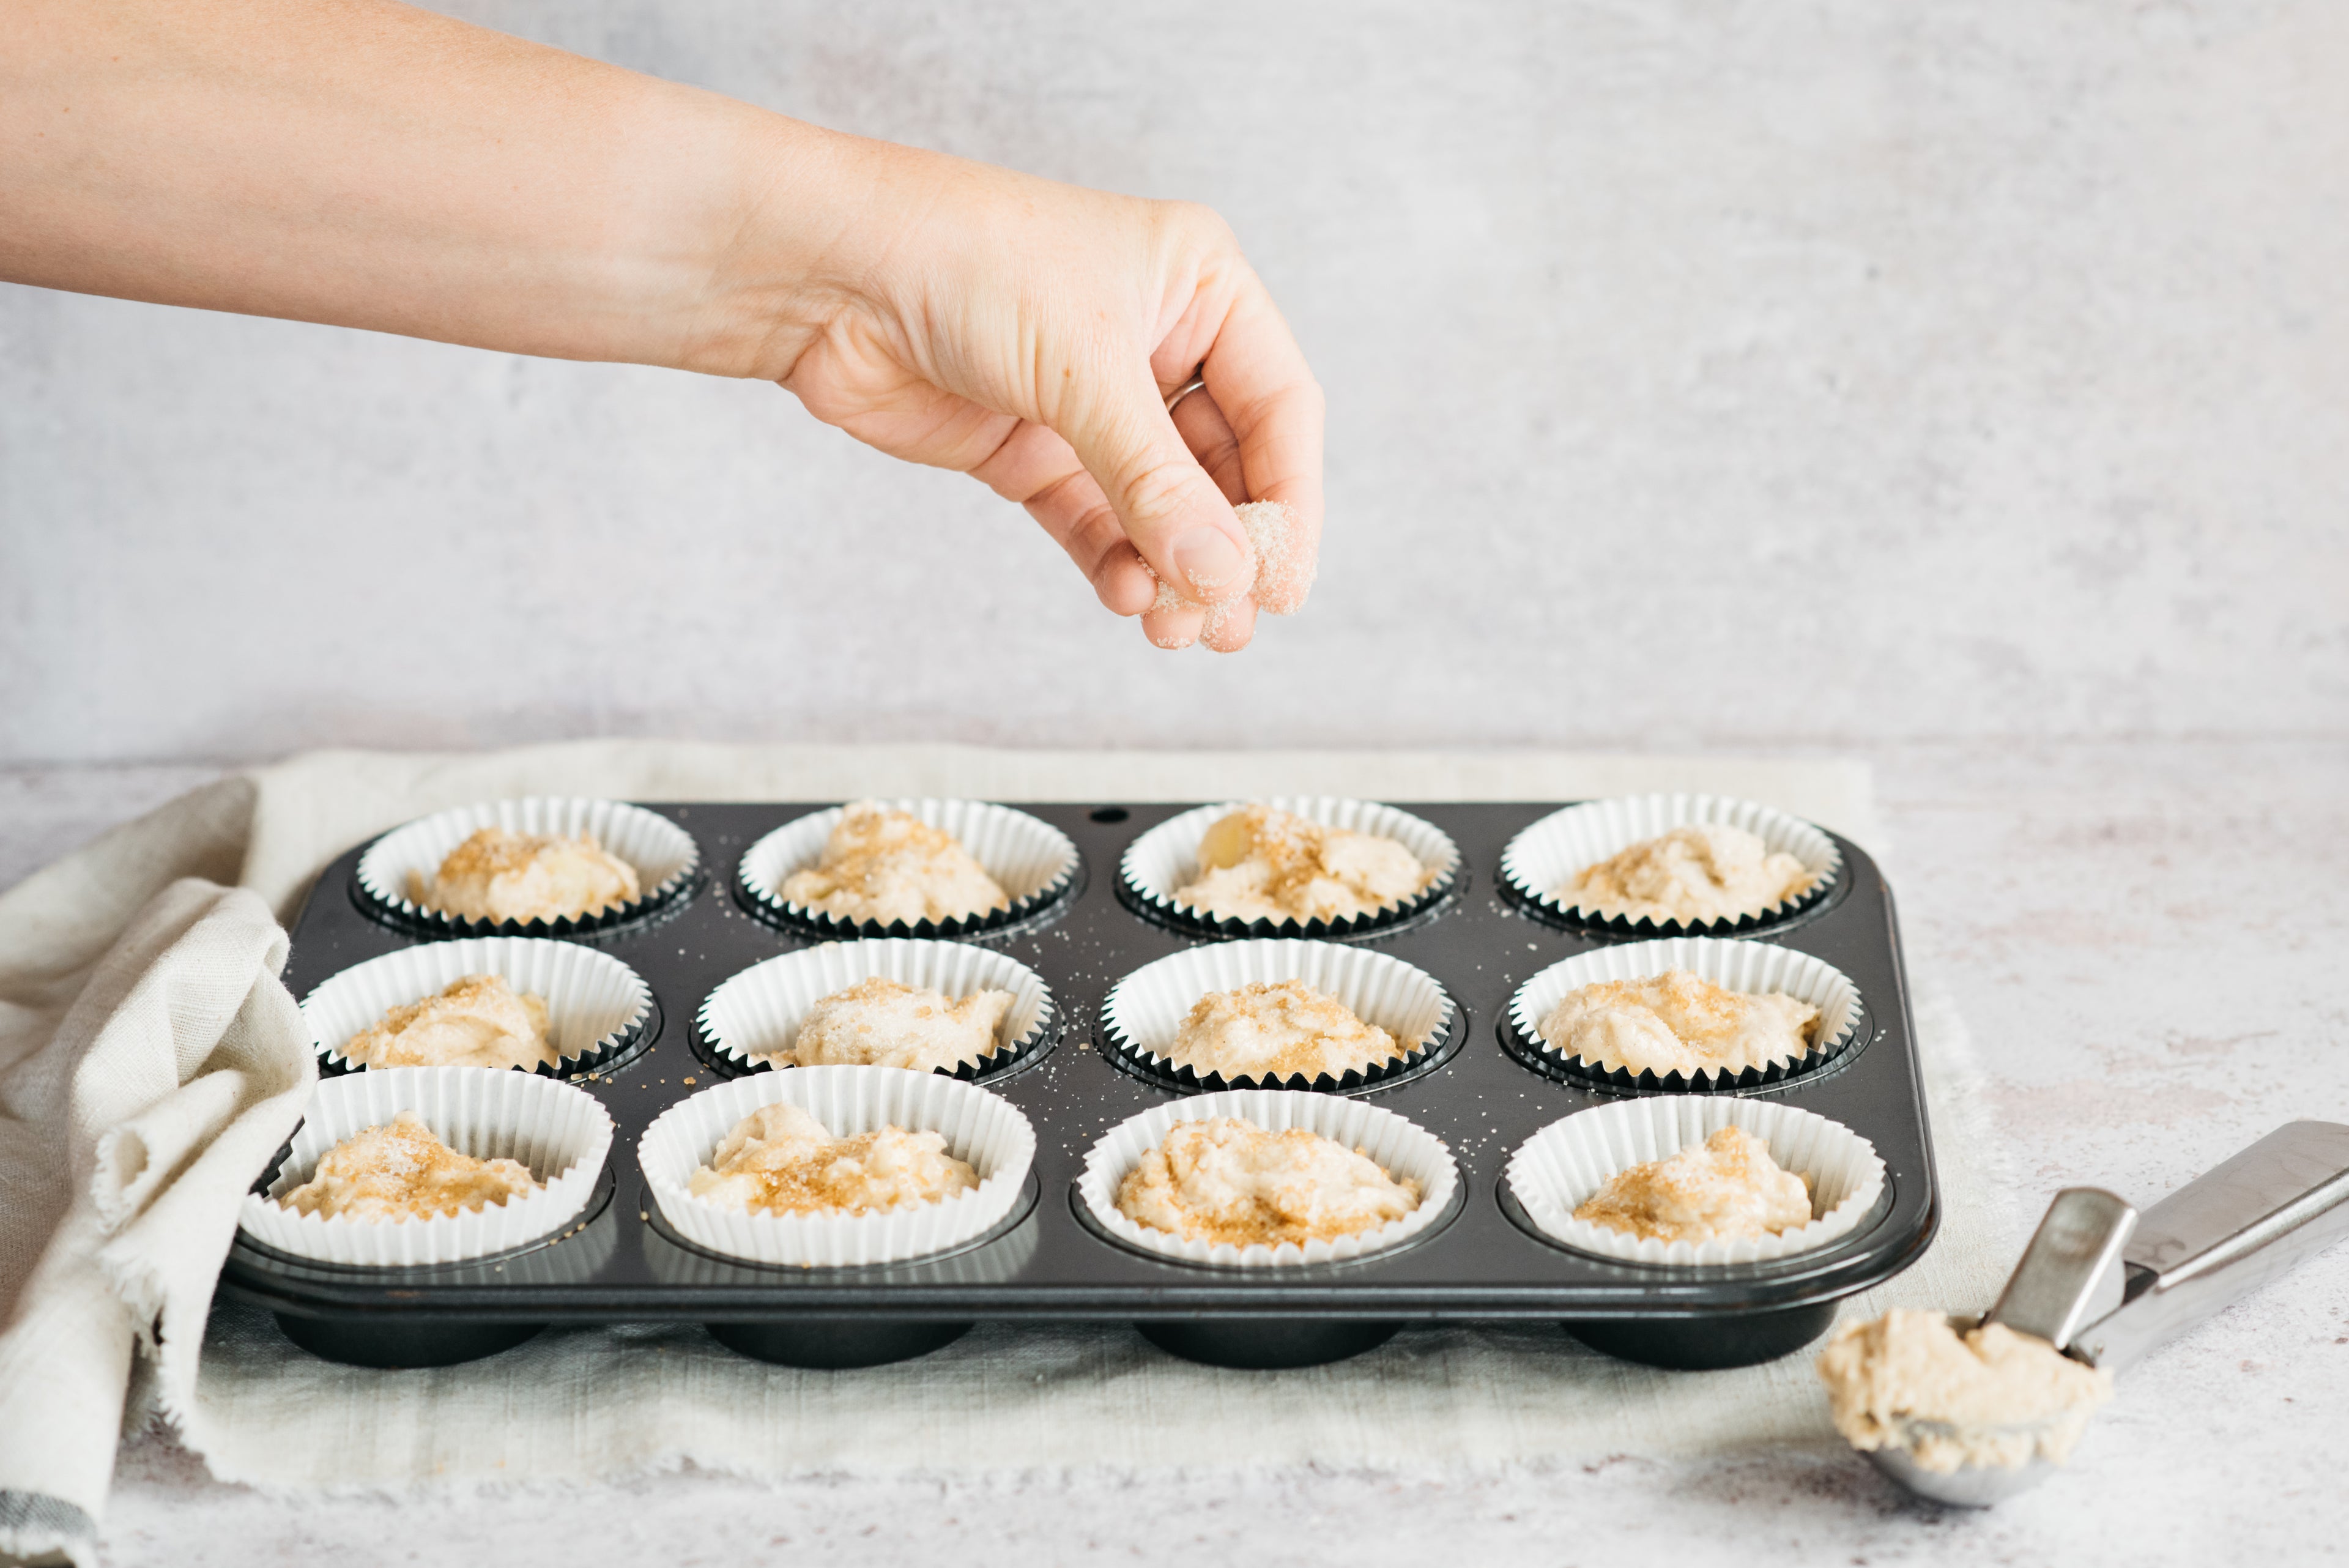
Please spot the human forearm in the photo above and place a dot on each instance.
(372, 165)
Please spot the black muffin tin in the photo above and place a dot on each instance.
(1046, 1262)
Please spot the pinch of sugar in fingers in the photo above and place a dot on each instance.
(1284, 569)
(1280, 567)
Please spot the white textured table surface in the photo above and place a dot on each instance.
(2146, 939)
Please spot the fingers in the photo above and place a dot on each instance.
(1169, 507)
(1040, 471)
(1228, 628)
(1177, 626)
(1209, 436)
(1274, 409)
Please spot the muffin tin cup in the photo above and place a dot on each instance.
(664, 855)
(1400, 1147)
(1558, 1169)
(979, 1127)
(1541, 859)
(1755, 967)
(1159, 862)
(1035, 863)
(561, 1132)
(758, 1013)
(597, 1008)
(1142, 1013)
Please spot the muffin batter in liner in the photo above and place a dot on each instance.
(1142, 1012)
(1167, 858)
(560, 1132)
(1034, 862)
(1400, 1147)
(760, 1010)
(1545, 854)
(1554, 1172)
(979, 1127)
(665, 857)
(1751, 967)
(597, 1008)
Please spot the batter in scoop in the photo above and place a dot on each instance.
(1994, 1398)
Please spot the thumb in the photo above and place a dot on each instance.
(1168, 503)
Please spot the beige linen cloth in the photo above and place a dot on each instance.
(150, 1063)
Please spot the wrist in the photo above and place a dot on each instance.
(802, 233)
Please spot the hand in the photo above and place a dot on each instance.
(373, 165)
(1028, 334)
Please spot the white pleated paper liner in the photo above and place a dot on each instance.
(1558, 1169)
(1544, 855)
(759, 1012)
(1167, 858)
(597, 1008)
(1033, 862)
(1755, 967)
(979, 1126)
(560, 1132)
(664, 855)
(1400, 1147)
(1142, 1013)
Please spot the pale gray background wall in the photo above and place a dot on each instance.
(1699, 374)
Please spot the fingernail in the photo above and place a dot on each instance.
(1208, 561)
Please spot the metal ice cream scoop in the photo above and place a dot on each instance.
(2106, 1285)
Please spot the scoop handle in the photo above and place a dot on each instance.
(2070, 1274)
(2223, 1235)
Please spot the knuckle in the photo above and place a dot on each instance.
(1155, 490)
